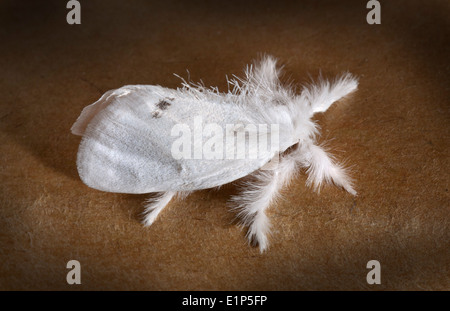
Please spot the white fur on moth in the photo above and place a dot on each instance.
(128, 141)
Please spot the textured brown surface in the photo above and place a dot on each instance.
(394, 132)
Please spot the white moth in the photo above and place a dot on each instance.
(132, 144)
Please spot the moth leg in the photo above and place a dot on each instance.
(323, 94)
(258, 195)
(320, 168)
(155, 205)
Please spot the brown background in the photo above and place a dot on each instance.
(394, 133)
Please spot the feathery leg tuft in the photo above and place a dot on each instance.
(258, 195)
(323, 94)
(320, 168)
(155, 205)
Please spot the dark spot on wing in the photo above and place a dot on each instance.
(163, 104)
(156, 114)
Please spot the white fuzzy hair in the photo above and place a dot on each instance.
(262, 90)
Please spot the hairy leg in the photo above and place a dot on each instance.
(258, 195)
(323, 94)
(155, 205)
(321, 168)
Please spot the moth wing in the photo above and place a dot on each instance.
(127, 142)
(79, 127)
